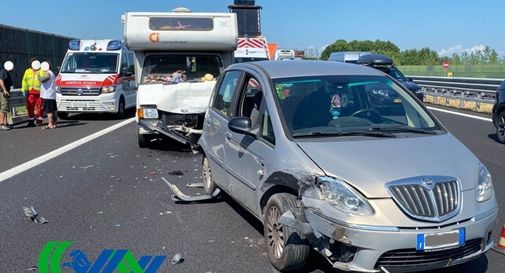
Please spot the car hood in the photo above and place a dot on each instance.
(368, 164)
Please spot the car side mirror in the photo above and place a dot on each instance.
(410, 79)
(241, 125)
(127, 73)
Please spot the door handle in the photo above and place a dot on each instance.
(261, 172)
(227, 135)
(207, 121)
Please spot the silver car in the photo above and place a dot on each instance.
(342, 159)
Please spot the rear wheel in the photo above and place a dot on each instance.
(208, 183)
(285, 249)
(500, 127)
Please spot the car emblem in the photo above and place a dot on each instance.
(79, 92)
(428, 183)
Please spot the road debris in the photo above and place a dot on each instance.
(176, 173)
(194, 185)
(181, 197)
(34, 216)
(177, 259)
(33, 268)
(87, 167)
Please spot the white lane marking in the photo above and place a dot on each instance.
(460, 114)
(44, 158)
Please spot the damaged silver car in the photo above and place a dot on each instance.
(342, 159)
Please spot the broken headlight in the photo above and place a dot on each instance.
(342, 196)
(485, 187)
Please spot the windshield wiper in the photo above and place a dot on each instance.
(404, 130)
(343, 133)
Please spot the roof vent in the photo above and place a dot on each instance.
(181, 9)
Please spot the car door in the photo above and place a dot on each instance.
(216, 123)
(246, 157)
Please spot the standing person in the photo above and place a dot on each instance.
(48, 94)
(31, 85)
(5, 88)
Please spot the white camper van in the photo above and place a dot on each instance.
(96, 76)
(180, 55)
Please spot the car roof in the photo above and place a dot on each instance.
(305, 68)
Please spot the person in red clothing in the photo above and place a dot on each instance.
(31, 88)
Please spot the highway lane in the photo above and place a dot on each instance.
(108, 194)
(22, 144)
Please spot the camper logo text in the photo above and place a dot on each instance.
(54, 258)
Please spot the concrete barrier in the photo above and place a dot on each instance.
(458, 102)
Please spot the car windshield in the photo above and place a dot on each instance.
(395, 73)
(177, 68)
(88, 62)
(342, 104)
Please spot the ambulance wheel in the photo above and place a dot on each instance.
(144, 140)
(121, 108)
(62, 115)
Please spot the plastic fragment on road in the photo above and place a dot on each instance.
(33, 268)
(182, 197)
(87, 167)
(34, 216)
(194, 185)
(177, 259)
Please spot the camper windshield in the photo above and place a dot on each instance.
(176, 68)
(87, 62)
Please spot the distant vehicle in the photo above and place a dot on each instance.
(180, 54)
(347, 56)
(97, 76)
(285, 54)
(499, 113)
(340, 158)
(385, 64)
(251, 49)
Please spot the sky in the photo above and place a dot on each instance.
(447, 26)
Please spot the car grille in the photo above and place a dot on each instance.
(396, 260)
(433, 204)
(187, 120)
(80, 91)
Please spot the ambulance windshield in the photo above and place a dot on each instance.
(88, 62)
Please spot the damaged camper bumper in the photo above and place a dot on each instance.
(180, 133)
(369, 248)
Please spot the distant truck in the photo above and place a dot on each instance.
(96, 76)
(180, 55)
(285, 54)
(251, 49)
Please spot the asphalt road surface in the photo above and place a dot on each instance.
(108, 194)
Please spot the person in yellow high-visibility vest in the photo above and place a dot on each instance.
(31, 88)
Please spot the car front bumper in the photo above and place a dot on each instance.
(394, 248)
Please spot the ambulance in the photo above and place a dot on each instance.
(251, 49)
(179, 57)
(96, 76)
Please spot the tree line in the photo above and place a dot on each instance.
(423, 56)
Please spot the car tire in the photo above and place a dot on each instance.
(144, 140)
(209, 185)
(500, 128)
(62, 115)
(121, 108)
(285, 249)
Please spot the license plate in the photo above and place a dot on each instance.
(79, 104)
(441, 240)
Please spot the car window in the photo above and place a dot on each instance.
(224, 96)
(347, 103)
(267, 130)
(131, 63)
(251, 99)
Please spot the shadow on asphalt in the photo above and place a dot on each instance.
(100, 116)
(493, 137)
(168, 144)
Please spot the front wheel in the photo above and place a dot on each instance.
(144, 140)
(121, 108)
(285, 249)
(500, 127)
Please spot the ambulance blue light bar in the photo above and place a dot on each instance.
(114, 45)
(74, 44)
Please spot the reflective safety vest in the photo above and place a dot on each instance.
(31, 80)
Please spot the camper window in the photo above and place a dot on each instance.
(176, 68)
(181, 23)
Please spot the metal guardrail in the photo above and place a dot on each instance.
(477, 89)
